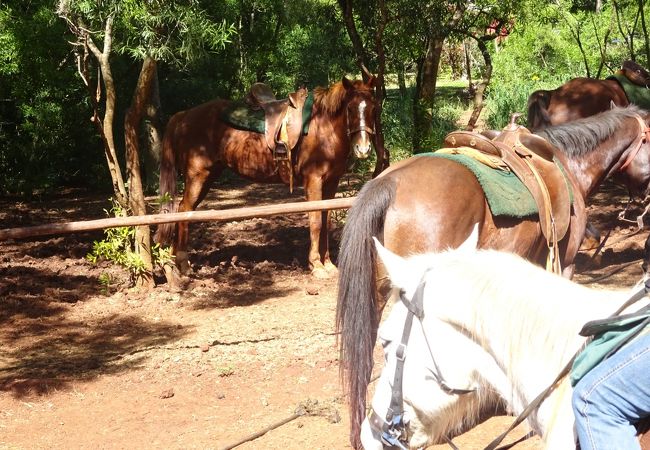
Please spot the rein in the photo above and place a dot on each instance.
(393, 429)
(644, 137)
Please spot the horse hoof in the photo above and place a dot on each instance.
(320, 273)
(331, 268)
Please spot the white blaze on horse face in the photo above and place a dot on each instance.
(362, 146)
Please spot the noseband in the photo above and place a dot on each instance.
(393, 429)
(643, 138)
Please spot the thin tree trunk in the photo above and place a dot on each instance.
(109, 113)
(468, 68)
(382, 156)
(153, 133)
(646, 39)
(401, 81)
(423, 112)
(134, 116)
(480, 91)
(357, 43)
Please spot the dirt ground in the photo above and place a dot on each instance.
(90, 364)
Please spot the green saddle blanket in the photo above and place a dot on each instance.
(241, 116)
(505, 193)
(639, 95)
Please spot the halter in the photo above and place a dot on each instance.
(644, 137)
(393, 429)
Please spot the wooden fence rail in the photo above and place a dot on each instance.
(191, 216)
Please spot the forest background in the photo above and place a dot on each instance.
(86, 86)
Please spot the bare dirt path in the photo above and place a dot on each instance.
(86, 364)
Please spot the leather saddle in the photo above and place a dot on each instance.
(531, 159)
(636, 73)
(282, 118)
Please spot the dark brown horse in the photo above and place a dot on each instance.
(576, 99)
(583, 97)
(200, 144)
(427, 204)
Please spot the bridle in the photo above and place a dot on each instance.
(644, 137)
(393, 429)
(363, 126)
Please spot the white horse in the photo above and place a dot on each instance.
(495, 324)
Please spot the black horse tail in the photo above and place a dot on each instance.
(538, 103)
(167, 184)
(356, 309)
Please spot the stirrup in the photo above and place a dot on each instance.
(280, 152)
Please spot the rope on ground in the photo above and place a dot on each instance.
(309, 407)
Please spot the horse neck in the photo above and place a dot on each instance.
(530, 330)
(592, 167)
(330, 127)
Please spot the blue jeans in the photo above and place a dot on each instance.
(612, 397)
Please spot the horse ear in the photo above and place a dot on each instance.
(612, 105)
(471, 243)
(395, 265)
(347, 84)
(293, 99)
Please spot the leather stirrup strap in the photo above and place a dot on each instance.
(553, 260)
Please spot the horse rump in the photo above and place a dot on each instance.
(538, 103)
(167, 184)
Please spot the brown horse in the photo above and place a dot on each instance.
(583, 97)
(427, 204)
(201, 145)
(576, 99)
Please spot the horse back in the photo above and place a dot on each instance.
(576, 99)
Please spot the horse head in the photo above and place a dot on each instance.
(360, 115)
(440, 394)
(635, 171)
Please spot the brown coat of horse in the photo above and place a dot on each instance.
(427, 204)
(576, 99)
(200, 144)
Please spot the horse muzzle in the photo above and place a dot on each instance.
(361, 151)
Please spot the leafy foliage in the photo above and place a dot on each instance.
(117, 247)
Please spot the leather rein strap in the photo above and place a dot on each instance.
(644, 137)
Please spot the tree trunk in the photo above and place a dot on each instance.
(153, 133)
(468, 68)
(401, 81)
(424, 102)
(382, 154)
(480, 91)
(646, 39)
(134, 116)
(357, 43)
(107, 127)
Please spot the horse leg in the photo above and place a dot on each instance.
(196, 187)
(329, 191)
(317, 221)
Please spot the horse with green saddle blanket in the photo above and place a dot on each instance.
(432, 202)
(305, 138)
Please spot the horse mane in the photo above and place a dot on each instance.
(580, 137)
(331, 99)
